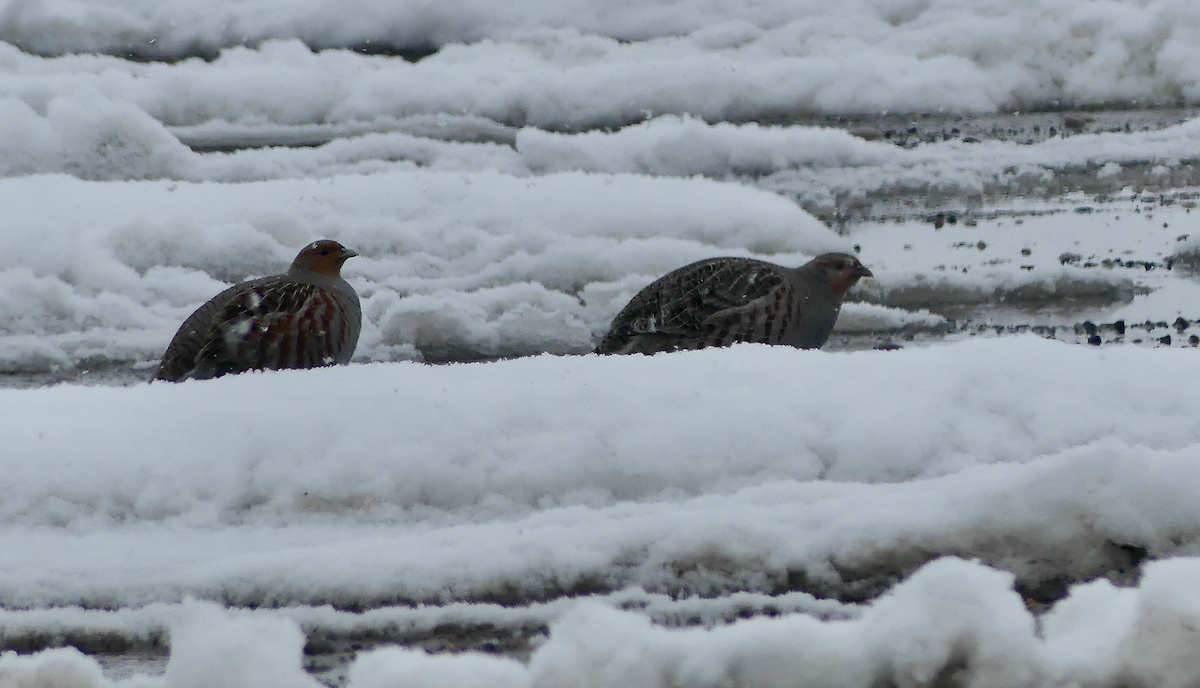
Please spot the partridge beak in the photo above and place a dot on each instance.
(348, 253)
(862, 271)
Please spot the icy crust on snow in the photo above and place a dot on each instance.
(953, 620)
(822, 166)
(453, 264)
(113, 131)
(540, 63)
(752, 468)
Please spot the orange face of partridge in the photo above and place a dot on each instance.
(324, 257)
(842, 271)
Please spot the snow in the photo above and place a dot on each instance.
(480, 262)
(952, 618)
(1027, 454)
(927, 501)
(589, 62)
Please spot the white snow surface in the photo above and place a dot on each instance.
(950, 613)
(365, 484)
(595, 61)
(886, 517)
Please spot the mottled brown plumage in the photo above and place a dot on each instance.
(721, 301)
(304, 318)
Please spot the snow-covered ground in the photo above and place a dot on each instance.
(996, 503)
(762, 470)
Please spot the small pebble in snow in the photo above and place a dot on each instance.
(1165, 339)
(981, 245)
(1094, 340)
(1068, 257)
(1119, 326)
(1089, 327)
(1026, 252)
(1193, 340)
(1180, 323)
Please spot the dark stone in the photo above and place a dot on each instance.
(1094, 340)
(1119, 326)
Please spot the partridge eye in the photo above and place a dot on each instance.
(324, 251)
(840, 265)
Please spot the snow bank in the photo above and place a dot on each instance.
(752, 468)
(112, 133)
(585, 63)
(821, 166)
(952, 620)
(473, 440)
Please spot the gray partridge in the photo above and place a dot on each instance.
(304, 318)
(720, 301)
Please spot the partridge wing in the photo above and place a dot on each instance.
(180, 356)
(688, 301)
(270, 326)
